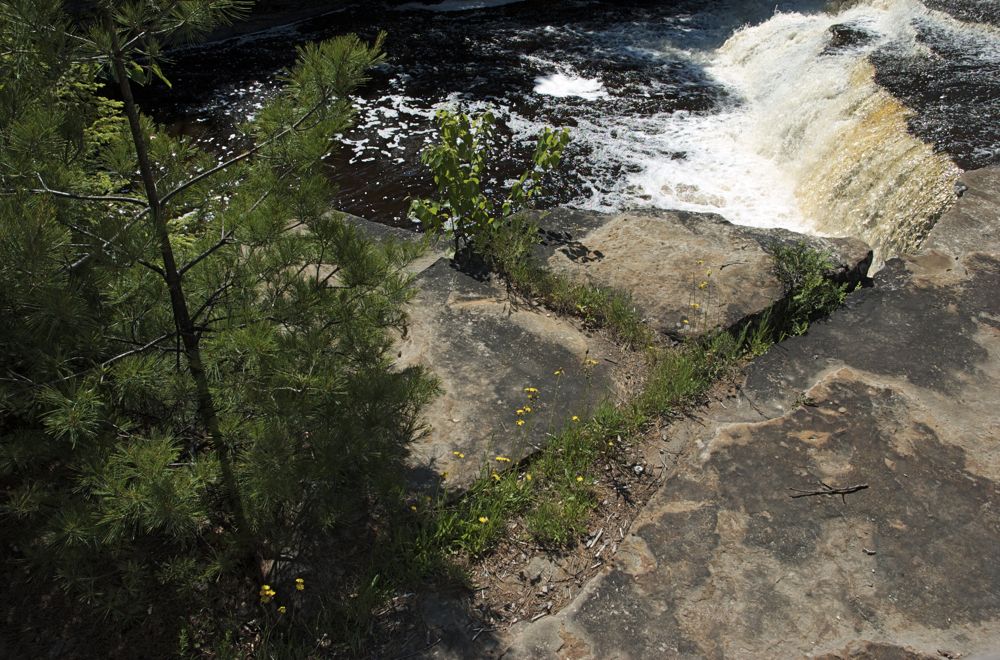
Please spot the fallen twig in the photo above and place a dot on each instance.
(828, 490)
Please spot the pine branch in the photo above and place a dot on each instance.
(79, 263)
(108, 245)
(211, 300)
(246, 154)
(107, 363)
(45, 190)
(225, 240)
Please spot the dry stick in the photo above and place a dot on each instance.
(828, 490)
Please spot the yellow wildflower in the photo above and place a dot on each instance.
(282, 609)
(413, 507)
(575, 418)
(703, 285)
(444, 475)
(496, 477)
(557, 372)
(520, 422)
(458, 454)
(701, 262)
(503, 459)
(300, 584)
(579, 478)
(483, 519)
(695, 306)
(684, 321)
(590, 362)
(527, 409)
(520, 411)
(527, 476)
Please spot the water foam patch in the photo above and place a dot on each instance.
(562, 86)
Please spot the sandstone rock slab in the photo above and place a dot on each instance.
(898, 392)
(688, 273)
(493, 357)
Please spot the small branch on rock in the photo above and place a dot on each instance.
(828, 490)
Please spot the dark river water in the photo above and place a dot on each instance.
(689, 104)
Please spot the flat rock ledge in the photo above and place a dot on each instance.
(897, 392)
(487, 347)
(688, 273)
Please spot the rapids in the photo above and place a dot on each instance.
(837, 121)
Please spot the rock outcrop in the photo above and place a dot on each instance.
(897, 392)
(689, 273)
(487, 347)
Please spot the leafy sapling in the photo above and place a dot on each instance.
(477, 223)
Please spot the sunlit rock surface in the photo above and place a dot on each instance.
(898, 392)
(487, 346)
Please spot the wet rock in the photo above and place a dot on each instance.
(879, 651)
(844, 35)
(497, 360)
(495, 356)
(689, 273)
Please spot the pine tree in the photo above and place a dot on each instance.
(196, 392)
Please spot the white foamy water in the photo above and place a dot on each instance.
(562, 85)
(777, 123)
(808, 142)
(696, 163)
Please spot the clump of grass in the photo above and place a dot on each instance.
(476, 522)
(509, 253)
(811, 292)
(564, 472)
(597, 306)
(554, 491)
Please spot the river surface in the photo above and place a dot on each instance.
(842, 122)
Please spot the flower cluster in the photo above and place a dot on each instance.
(532, 393)
(267, 593)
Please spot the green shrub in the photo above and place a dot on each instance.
(805, 274)
(476, 223)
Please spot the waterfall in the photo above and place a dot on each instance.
(816, 112)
